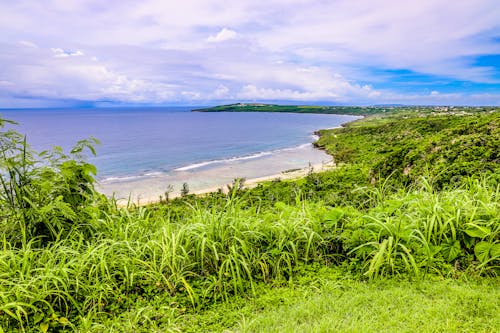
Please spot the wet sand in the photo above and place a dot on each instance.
(285, 164)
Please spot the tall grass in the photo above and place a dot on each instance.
(422, 230)
(211, 254)
(138, 253)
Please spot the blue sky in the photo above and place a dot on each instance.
(202, 52)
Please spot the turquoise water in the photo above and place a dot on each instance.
(137, 142)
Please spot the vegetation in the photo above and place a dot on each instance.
(444, 147)
(323, 109)
(337, 302)
(407, 226)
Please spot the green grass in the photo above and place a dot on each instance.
(325, 300)
(139, 256)
(346, 305)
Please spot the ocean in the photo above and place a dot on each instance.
(140, 143)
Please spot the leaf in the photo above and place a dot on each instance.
(332, 218)
(451, 250)
(90, 168)
(482, 251)
(87, 143)
(334, 215)
(477, 231)
(434, 249)
(44, 327)
(63, 321)
(495, 251)
(377, 260)
(469, 241)
(38, 317)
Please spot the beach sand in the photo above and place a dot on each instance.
(284, 164)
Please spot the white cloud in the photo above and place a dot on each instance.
(158, 51)
(60, 53)
(252, 92)
(223, 35)
(79, 77)
(393, 34)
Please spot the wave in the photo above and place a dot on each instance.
(153, 174)
(240, 158)
(120, 179)
(130, 177)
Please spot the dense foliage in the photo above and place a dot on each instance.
(444, 147)
(414, 196)
(44, 196)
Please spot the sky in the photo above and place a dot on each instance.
(70, 53)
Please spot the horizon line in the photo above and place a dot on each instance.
(135, 106)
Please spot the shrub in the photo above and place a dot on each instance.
(44, 195)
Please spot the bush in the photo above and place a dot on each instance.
(43, 195)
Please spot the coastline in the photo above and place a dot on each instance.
(212, 176)
(290, 163)
(249, 183)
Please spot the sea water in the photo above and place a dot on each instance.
(145, 142)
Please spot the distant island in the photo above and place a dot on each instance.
(346, 110)
(260, 107)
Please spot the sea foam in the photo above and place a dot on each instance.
(240, 158)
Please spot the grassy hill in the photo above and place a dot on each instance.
(403, 235)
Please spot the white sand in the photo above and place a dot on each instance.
(146, 190)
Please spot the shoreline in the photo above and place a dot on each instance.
(283, 164)
(248, 183)
(212, 176)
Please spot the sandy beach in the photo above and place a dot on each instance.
(285, 164)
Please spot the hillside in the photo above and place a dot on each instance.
(405, 231)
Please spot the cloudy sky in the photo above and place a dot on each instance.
(203, 52)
